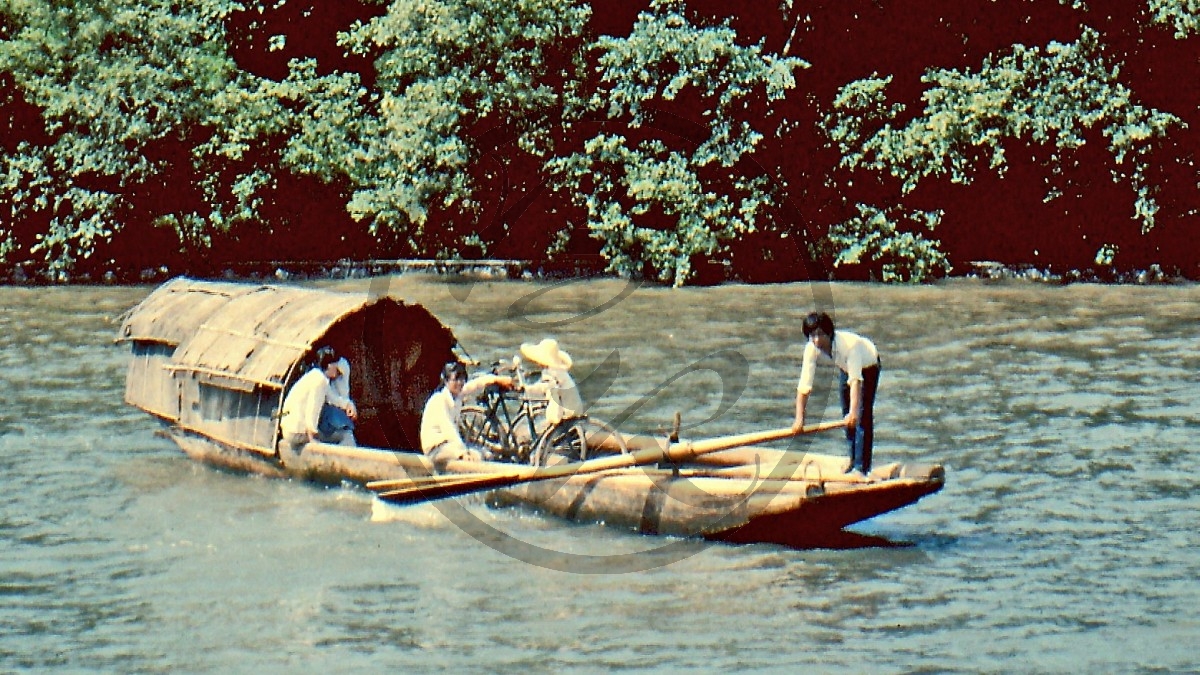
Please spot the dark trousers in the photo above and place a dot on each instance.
(862, 437)
(333, 424)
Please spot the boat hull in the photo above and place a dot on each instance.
(798, 513)
(801, 513)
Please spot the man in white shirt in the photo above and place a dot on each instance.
(440, 439)
(857, 359)
(309, 409)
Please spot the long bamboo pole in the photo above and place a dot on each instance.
(405, 491)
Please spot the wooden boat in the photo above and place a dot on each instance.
(212, 361)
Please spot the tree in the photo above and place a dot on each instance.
(658, 201)
(144, 118)
(664, 135)
(448, 72)
(1025, 96)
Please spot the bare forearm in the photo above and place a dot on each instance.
(801, 403)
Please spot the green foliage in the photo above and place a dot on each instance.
(670, 217)
(1106, 255)
(653, 207)
(144, 119)
(1182, 15)
(444, 67)
(332, 119)
(1053, 97)
(118, 82)
(903, 255)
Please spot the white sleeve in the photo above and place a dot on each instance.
(314, 400)
(862, 355)
(541, 388)
(808, 371)
(475, 386)
(855, 363)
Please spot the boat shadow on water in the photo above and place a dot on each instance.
(845, 540)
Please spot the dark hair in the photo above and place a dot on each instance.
(326, 356)
(454, 369)
(814, 321)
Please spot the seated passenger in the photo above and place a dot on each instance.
(339, 413)
(440, 438)
(314, 410)
(556, 384)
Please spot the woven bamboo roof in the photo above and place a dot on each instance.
(174, 311)
(253, 334)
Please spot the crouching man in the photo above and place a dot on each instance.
(440, 438)
(317, 410)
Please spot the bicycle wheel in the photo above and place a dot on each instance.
(525, 433)
(602, 439)
(478, 429)
(577, 440)
(564, 442)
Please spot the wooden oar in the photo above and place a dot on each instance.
(438, 487)
(654, 451)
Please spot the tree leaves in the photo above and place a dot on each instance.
(652, 140)
(656, 208)
(1051, 97)
(115, 82)
(873, 236)
(443, 68)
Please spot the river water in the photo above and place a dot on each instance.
(1065, 539)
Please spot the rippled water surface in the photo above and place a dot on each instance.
(1065, 539)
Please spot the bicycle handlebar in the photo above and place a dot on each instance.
(514, 367)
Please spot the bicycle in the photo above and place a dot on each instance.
(505, 435)
(526, 436)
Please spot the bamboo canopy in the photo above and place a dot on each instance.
(217, 357)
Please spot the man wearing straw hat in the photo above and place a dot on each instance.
(556, 384)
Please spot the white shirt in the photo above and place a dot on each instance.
(560, 392)
(851, 353)
(339, 389)
(302, 405)
(439, 420)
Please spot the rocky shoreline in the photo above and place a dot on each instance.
(1154, 274)
(281, 271)
(582, 268)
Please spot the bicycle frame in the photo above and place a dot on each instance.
(504, 434)
(526, 436)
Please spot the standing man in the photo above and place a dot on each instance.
(858, 361)
(440, 438)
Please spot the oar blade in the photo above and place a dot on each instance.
(395, 483)
(449, 486)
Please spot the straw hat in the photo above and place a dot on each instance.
(547, 353)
